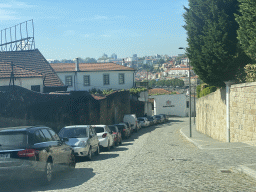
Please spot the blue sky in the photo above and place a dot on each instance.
(68, 29)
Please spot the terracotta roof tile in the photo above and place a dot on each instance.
(32, 60)
(6, 69)
(64, 67)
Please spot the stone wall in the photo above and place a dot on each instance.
(211, 113)
(243, 112)
(19, 106)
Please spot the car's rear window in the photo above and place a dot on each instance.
(112, 128)
(140, 119)
(99, 129)
(13, 140)
(73, 133)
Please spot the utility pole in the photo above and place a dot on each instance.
(190, 129)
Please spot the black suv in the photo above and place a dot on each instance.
(29, 151)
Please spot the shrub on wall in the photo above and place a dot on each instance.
(207, 90)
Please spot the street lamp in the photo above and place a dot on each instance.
(190, 129)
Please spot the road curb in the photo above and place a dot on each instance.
(241, 168)
(190, 140)
(246, 170)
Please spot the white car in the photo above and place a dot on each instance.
(144, 121)
(105, 136)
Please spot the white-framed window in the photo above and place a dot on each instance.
(86, 80)
(105, 79)
(121, 78)
(68, 81)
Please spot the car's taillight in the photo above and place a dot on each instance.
(104, 135)
(27, 153)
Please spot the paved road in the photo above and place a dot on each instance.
(158, 158)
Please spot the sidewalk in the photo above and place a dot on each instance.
(237, 156)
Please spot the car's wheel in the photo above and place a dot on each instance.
(97, 152)
(89, 156)
(120, 142)
(48, 173)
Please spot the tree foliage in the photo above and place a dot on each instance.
(171, 82)
(214, 51)
(246, 19)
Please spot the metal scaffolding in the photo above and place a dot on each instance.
(19, 37)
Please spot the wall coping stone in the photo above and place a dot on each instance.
(240, 85)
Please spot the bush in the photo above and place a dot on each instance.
(207, 90)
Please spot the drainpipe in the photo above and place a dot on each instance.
(228, 84)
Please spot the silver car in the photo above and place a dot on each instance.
(82, 138)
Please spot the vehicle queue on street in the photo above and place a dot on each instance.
(29, 151)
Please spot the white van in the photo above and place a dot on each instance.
(132, 119)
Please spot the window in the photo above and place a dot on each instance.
(35, 88)
(121, 78)
(86, 80)
(54, 135)
(68, 81)
(106, 79)
(39, 137)
(47, 135)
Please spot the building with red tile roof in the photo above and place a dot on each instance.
(33, 60)
(85, 76)
(14, 75)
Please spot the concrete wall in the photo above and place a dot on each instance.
(211, 113)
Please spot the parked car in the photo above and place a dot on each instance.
(123, 129)
(152, 120)
(131, 118)
(117, 133)
(144, 121)
(105, 136)
(159, 118)
(31, 151)
(165, 117)
(129, 127)
(82, 138)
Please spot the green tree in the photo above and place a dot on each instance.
(246, 19)
(213, 50)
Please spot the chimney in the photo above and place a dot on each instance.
(77, 65)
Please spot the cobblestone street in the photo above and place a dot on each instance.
(158, 158)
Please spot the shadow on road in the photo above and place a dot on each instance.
(62, 180)
(104, 156)
(120, 148)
